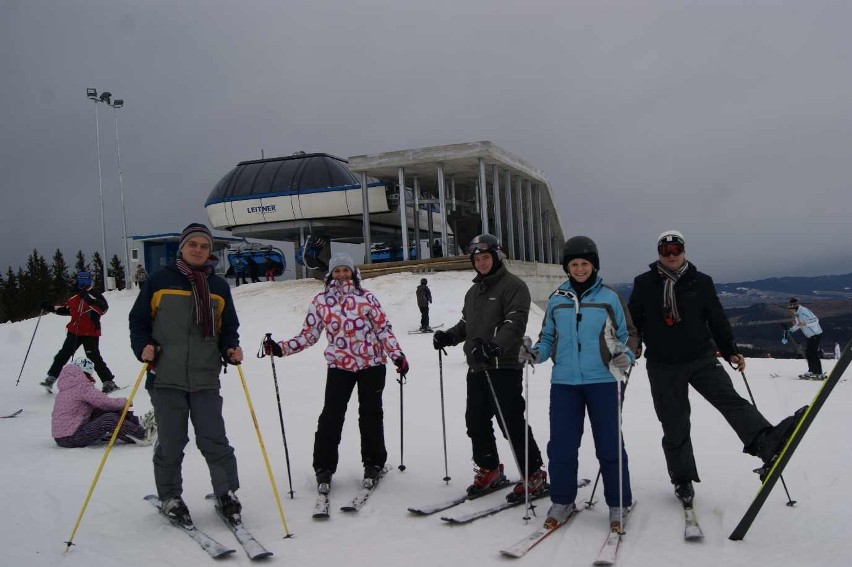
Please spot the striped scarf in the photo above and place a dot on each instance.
(670, 312)
(200, 296)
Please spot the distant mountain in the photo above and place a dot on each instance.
(757, 311)
(776, 290)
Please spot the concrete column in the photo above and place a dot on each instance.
(483, 197)
(495, 185)
(403, 221)
(365, 219)
(442, 202)
(519, 206)
(539, 215)
(416, 218)
(510, 221)
(529, 213)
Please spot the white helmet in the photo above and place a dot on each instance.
(85, 365)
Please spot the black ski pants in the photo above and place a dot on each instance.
(481, 409)
(670, 391)
(424, 316)
(93, 353)
(338, 389)
(812, 354)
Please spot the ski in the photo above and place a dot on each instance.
(364, 494)
(691, 528)
(520, 548)
(252, 547)
(608, 552)
(213, 548)
(776, 467)
(468, 518)
(431, 330)
(321, 508)
(432, 508)
(13, 414)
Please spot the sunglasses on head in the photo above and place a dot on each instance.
(482, 247)
(670, 249)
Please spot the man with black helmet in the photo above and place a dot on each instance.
(493, 323)
(679, 318)
(424, 298)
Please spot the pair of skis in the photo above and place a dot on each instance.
(481, 513)
(322, 506)
(214, 549)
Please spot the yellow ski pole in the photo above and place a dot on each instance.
(70, 541)
(263, 451)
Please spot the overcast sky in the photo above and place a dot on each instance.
(731, 121)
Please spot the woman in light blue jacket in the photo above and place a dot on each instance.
(588, 334)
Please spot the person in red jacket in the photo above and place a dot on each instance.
(85, 308)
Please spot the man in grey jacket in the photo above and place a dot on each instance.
(492, 327)
(184, 324)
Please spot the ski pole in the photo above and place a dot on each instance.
(443, 418)
(401, 466)
(40, 313)
(263, 452)
(260, 354)
(789, 336)
(790, 501)
(112, 438)
(528, 346)
(503, 425)
(590, 503)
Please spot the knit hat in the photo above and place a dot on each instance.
(423, 281)
(341, 259)
(671, 237)
(195, 229)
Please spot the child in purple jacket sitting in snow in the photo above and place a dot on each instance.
(83, 415)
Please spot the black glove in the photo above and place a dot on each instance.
(482, 352)
(401, 364)
(441, 339)
(47, 307)
(272, 348)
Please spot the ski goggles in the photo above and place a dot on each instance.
(670, 249)
(482, 247)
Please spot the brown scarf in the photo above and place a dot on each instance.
(200, 296)
(670, 312)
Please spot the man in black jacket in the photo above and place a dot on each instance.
(492, 327)
(679, 317)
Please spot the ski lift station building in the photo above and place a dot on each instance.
(458, 191)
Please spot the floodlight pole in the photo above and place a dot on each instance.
(101, 191)
(119, 104)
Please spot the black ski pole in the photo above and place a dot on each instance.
(789, 336)
(790, 501)
(401, 466)
(443, 418)
(260, 354)
(590, 503)
(40, 313)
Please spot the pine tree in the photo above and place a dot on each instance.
(36, 285)
(80, 265)
(61, 279)
(98, 272)
(10, 292)
(116, 270)
(4, 312)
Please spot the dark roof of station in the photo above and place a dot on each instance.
(282, 176)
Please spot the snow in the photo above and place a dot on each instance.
(45, 486)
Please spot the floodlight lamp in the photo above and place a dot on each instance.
(118, 103)
(105, 96)
(92, 94)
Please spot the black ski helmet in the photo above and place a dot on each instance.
(580, 247)
(423, 281)
(486, 243)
